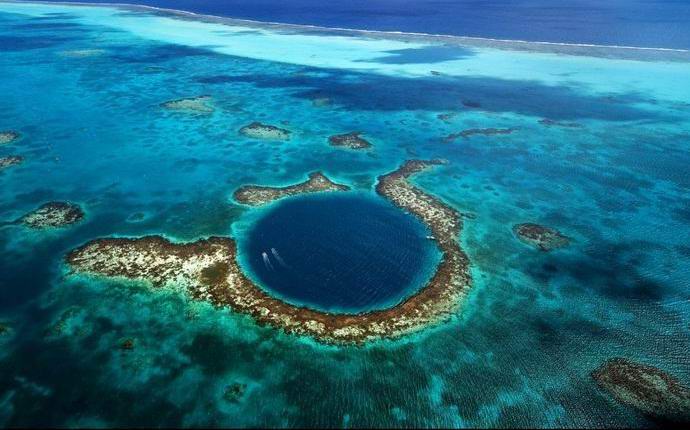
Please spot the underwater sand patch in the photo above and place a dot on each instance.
(651, 391)
(352, 140)
(321, 101)
(197, 105)
(255, 195)
(83, 53)
(10, 160)
(540, 237)
(257, 130)
(208, 270)
(137, 217)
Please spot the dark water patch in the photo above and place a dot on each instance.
(217, 79)
(157, 53)
(611, 269)
(367, 92)
(217, 355)
(49, 25)
(339, 253)
(46, 392)
(424, 55)
(27, 43)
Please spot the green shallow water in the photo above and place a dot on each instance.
(610, 173)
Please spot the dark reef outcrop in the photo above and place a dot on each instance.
(466, 134)
(551, 122)
(208, 270)
(541, 237)
(255, 195)
(651, 391)
(352, 140)
(234, 392)
(10, 160)
(257, 130)
(8, 136)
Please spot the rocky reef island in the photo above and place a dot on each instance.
(540, 237)
(10, 160)
(257, 130)
(352, 140)
(53, 215)
(255, 195)
(8, 136)
(197, 105)
(651, 391)
(208, 270)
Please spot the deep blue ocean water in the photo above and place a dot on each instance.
(650, 23)
(340, 253)
(610, 171)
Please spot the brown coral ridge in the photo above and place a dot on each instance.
(208, 270)
(255, 195)
(8, 136)
(257, 130)
(352, 140)
(466, 134)
(10, 160)
(541, 237)
(650, 390)
(52, 215)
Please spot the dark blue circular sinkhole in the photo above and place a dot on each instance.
(340, 253)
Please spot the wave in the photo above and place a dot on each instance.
(471, 41)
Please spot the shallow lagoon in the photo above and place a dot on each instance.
(609, 171)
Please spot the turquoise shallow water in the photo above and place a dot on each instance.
(534, 325)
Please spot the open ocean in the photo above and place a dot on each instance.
(591, 141)
(648, 23)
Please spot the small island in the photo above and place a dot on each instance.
(255, 195)
(257, 130)
(53, 215)
(208, 270)
(8, 136)
(352, 140)
(10, 160)
(198, 105)
(649, 390)
(541, 237)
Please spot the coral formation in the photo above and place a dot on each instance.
(352, 140)
(197, 105)
(541, 237)
(646, 388)
(53, 214)
(257, 130)
(208, 270)
(255, 195)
